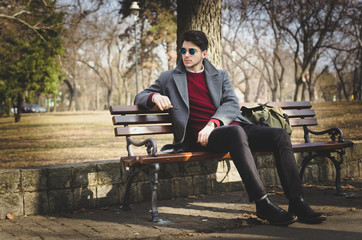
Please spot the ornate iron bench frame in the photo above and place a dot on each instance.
(135, 121)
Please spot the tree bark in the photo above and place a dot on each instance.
(19, 102)
(203, 15)
(71, 93)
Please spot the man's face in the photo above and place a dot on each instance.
(192, 62)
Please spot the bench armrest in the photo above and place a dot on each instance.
(334, 133)
(150, 143)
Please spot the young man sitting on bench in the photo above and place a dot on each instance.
(205, 116)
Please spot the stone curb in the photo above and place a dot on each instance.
(69, 187)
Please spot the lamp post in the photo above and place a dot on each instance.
(135, 11)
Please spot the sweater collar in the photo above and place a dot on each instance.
(209, 69)
(202, 70)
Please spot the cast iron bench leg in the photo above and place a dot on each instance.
(306, 159)
(152, 174)
(337, 164)
(131, 175)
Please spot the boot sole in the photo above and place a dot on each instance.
(286, 223)
(315, 220)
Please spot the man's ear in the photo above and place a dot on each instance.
(204, 54)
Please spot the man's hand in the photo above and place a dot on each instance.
(162, 102)
(203, 137)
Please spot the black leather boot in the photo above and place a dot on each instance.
(267, 210)
(304, 212)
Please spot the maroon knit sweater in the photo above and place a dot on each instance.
(201, 106)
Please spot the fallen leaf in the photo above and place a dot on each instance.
(10, 216)
(253, 216)
(192, 197)
(348, 186)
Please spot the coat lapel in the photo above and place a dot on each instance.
(181, 84)
(213, 83)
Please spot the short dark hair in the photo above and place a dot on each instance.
(197, 37)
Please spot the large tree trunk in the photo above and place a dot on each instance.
(282, 92)
(203, 15)
(71, 92)
(19, 102)
(357, 81)
(298, 91)
(75, 97)
(303, 92)
(247, 90)
(274, 94)
(109, 97)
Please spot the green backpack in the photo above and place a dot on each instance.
(265, 115)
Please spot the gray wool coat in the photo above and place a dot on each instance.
(173, 83)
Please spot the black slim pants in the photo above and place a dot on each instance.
(240, 141)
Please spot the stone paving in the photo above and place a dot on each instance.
(218, 216)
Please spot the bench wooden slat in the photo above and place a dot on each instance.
(142, 130)
(131, 109)
(158, 129)
(303, 122)
(151, 119)
(170, 158)
(140, 119)
(315, 146)
(286, 105)
(164, 118)
(292, 113)
(197, 156)
(318, 146)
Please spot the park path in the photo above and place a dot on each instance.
(222, 216)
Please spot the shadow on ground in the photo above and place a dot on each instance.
(225, 216)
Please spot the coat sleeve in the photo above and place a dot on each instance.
(229, 108)
(141, 98)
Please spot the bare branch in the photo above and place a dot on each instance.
(33, 28)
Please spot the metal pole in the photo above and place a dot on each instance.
(135, 45)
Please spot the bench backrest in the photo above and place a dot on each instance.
(140, 121)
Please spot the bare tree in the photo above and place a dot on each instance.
(261, 55)
(76, 36)
(307, 26)
(355, 33)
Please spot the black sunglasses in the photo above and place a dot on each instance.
(192, 51)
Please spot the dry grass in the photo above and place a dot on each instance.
(68, 137)
(345, 115)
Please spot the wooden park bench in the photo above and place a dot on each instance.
(133, 120)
